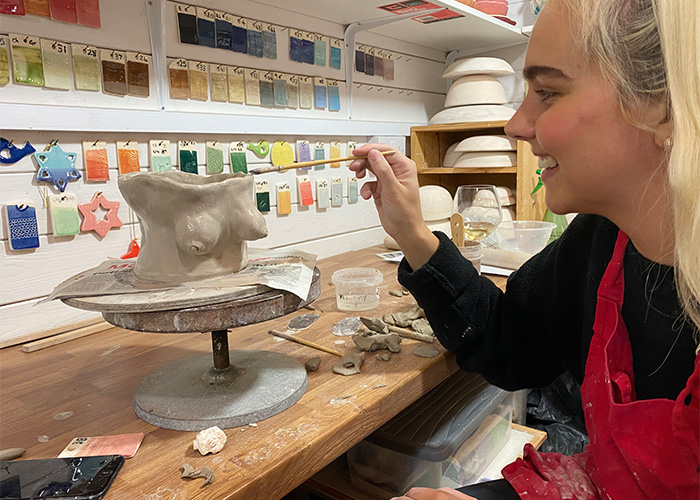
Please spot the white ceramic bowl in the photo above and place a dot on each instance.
(451, 156)
(487, 143)
(527, 236)
(475, 89)
(435, 203)
(486, 160)
(492, 66)
(476, 113)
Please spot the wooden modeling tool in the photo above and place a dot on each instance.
(303, 164)
(457, 226)
(304, 342)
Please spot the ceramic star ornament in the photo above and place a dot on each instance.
(102, 226)
(56, 166)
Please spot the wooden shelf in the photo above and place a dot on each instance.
(429, 143)
(484, 170)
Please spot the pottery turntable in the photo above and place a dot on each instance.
(195, 227)
(241, 386)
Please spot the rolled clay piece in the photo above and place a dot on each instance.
(374, 324)
(11, 453)
(371, 341)
(383, 356)
(312, 364)
(349, 364)
(422, 326)
(211, 440)
(426, 351)
(192, 226)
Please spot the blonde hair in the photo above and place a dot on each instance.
(650, 51)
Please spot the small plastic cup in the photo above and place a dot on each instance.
(357, 288)
(472, 252)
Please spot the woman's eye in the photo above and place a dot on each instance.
(545, 94)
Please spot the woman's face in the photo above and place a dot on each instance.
(593, 159)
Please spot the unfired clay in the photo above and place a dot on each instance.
(371, 341)
(426, 351)
(312, 364)
(349, 364)
(192, 226)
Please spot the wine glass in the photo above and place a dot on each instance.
(481, 209)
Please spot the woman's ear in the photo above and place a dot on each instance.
(658, 118)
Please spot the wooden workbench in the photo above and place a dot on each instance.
(94, 377)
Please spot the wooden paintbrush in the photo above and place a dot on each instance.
(303, 164)
(307, 343)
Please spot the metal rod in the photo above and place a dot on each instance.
(219, 344)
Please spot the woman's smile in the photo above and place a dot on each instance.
(548, 165)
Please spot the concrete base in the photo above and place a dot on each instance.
(191, 395)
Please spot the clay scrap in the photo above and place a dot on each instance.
(211, 440)
(423, 333)
(382, 356)
(404, 319)
(302, 322)
(426, 351)
(189, 472)
(371, 341)
(312, 364)
(349, 364)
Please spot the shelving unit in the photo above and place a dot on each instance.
(429, 144)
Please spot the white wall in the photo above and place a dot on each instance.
(41, 115)
(28, 276)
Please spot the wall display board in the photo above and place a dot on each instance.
(163, 84)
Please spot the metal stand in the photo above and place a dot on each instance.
(240, 388)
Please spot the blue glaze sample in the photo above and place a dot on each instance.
(281, 95)
(333, 98)
(269, 44)
(255, 47)
(320, 97)
(267, 94)
(207, 32)
(336, 57)
(223, 34)
(239, 39)
(24, 231)
(307, 51)
(296, 49)
(14, 154)
(57, 167)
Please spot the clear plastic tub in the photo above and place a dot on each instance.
(445, 439)
(357, 288)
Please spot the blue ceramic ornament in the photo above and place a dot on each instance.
(56, 166)
(14, 154)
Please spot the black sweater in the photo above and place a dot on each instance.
(543, 324)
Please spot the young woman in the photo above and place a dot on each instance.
(613, 113)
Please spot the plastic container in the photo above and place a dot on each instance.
(357, 288)
(472, 252)
(446, 438)
(526, 236)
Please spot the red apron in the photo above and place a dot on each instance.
(639, 450)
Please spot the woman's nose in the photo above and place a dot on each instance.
(521, 126)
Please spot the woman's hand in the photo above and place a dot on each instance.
(431, 494)
(396, 197)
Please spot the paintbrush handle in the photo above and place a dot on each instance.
(307, 343)
(304, 164)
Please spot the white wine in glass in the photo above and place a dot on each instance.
(481, 209)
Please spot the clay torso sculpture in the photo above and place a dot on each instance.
(192, 226)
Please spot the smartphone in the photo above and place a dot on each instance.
(77, 478)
